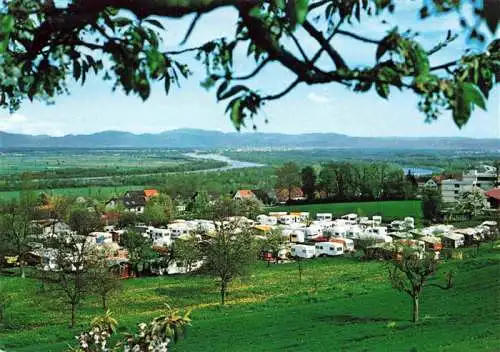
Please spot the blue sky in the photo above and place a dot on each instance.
(326, 108)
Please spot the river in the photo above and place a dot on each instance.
(231, 164)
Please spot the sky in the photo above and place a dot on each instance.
(322, 108)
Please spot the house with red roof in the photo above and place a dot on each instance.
(150, 193)
(244, 194)
(493, 196)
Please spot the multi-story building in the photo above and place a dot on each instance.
(484, 179)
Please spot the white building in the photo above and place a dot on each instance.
(451, 189)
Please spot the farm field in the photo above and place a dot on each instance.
(96, 192)
(388, 209)
(341, 304)
(61, 169)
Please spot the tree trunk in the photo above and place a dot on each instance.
(223, 292)
(415, 308)
(73, 315)
(300, 269)
(104, 302)
(21, 266)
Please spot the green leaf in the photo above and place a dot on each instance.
(156, 62)
(421, 60)
(236, 113)
(7, 23)
(4, 44)
(155, 23)
(297, 12)
(221, 89)
(122, 21)
(381, 48)
(234, 90)
(255, 12)
(77, 70)
(280, 4)
(461, 109)
(382, 90)
(167, 82)
(473, 95)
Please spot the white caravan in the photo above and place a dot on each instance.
(350, 217)
(347, 243)
(324, 216)
(160, 237)
(303, 251)
(329, 249)
(313, 232)
(297, 236)
(267, 220)
(339, 231)
(377, 220)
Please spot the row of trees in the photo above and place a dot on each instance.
(343, 181)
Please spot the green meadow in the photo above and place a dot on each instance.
(340, 304)
(388, 209)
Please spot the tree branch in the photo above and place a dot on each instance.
(301, 50)
(442, 45)
(254, 72)
(334, 55)
(283, 93)
(445, 66)
(358, 37)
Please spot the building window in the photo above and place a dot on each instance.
(456, 191)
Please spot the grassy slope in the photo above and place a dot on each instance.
(341, 304)
(388, 209)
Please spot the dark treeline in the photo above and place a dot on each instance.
(81, 177)
(343, 181)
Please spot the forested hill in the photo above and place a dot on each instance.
(201, 139)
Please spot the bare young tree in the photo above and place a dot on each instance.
(18, 229)
(410, 270)
(103, 279)
(187, 252)
(74, 256)
(231, 250)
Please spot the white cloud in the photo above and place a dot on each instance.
(18, 123)
(317, 98)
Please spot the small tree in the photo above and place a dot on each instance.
(273, 243)
(409, 271)
(187, 252)
(159, 211)
(17, 228)
(288, 177)
(249, 208)
(139, 250)
(431, 204)
(104, 281)
(308, 176)
(232, 250)
(472, 203)
(127, 219)
(75, 256)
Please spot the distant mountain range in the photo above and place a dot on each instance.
(202, 139)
